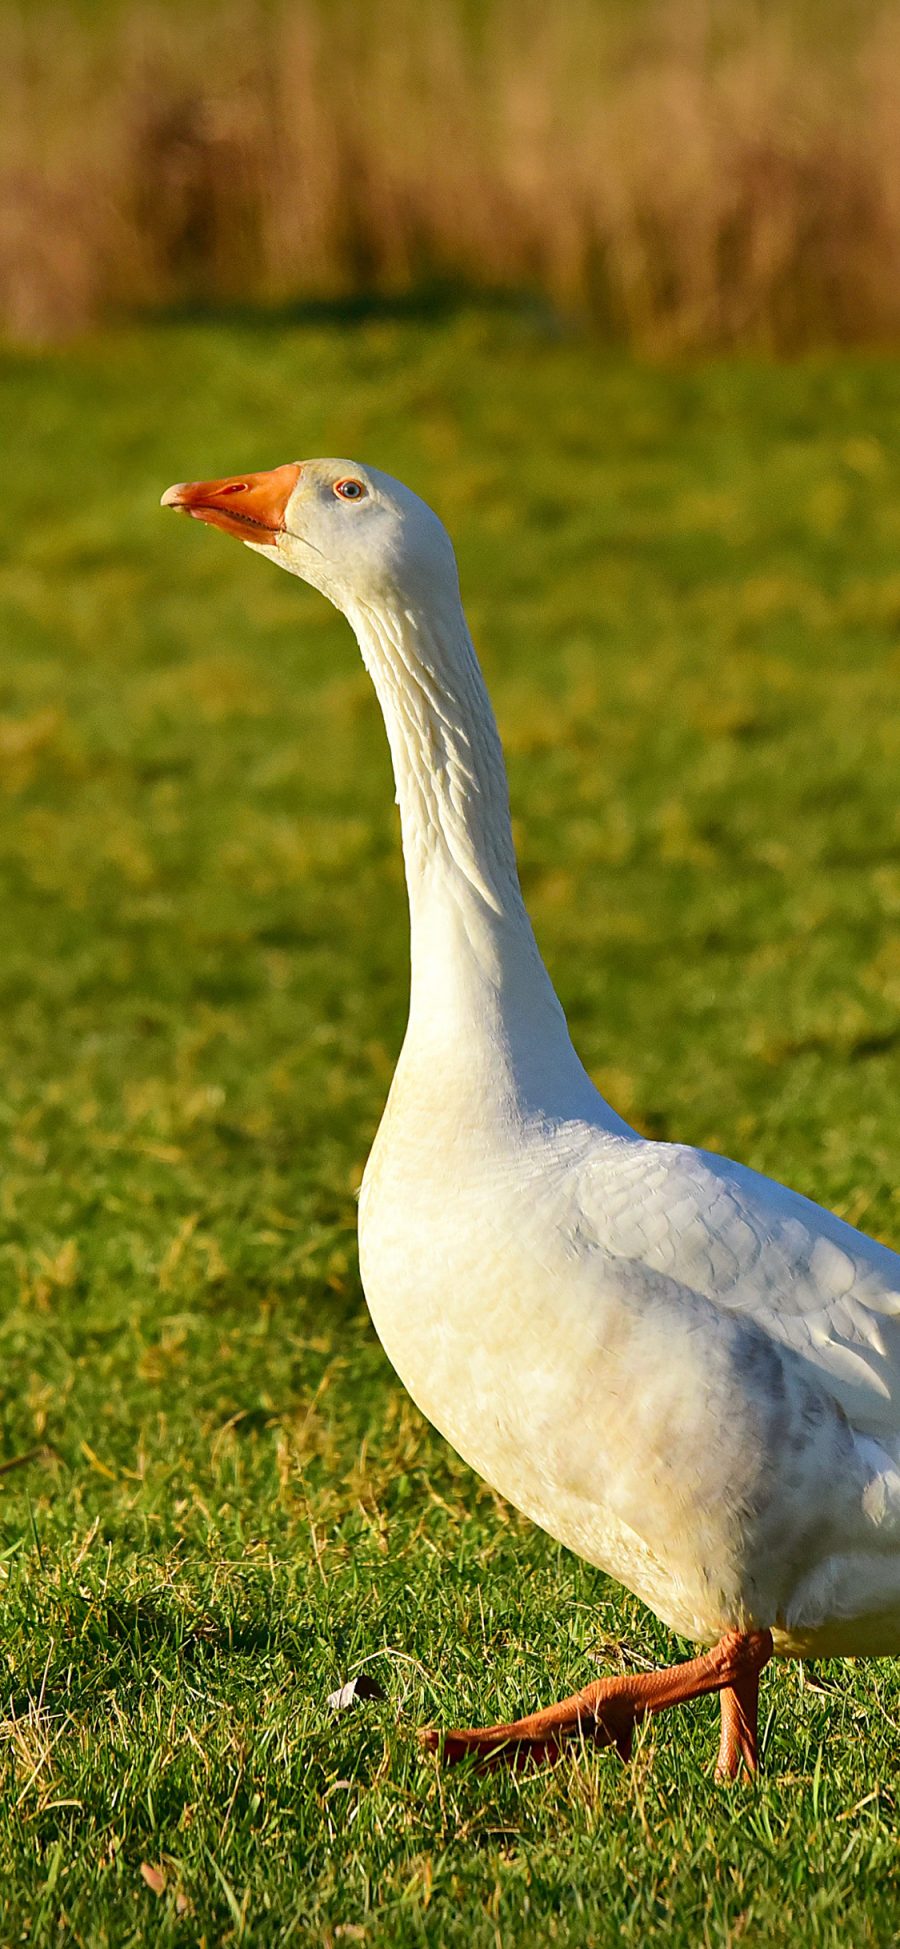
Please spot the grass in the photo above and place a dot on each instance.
(217, 1503)
(685, 176)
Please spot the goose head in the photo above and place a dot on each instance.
(354, 533)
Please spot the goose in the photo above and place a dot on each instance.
(684, 1372)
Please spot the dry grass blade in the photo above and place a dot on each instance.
(40, 1454)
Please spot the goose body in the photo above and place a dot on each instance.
(587, 1321)
(683, 1371)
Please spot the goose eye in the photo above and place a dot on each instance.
(349, 490)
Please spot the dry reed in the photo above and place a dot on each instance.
(684, 175)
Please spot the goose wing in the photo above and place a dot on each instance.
(752, 1246)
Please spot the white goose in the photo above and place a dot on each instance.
(683, 1371)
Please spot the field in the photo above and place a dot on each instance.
(216, 1502)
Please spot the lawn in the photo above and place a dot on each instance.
(216, 1502)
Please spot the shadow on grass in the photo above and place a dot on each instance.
(431, 302)
(131, 1642)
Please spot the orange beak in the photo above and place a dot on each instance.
(251, 506)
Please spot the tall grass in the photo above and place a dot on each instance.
(684, 174)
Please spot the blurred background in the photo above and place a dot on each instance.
(676, 173)
(616, 287)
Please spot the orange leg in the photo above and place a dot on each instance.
(739, 1705)
(608, 1711)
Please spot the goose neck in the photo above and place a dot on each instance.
(448, 764)
(482, 1005)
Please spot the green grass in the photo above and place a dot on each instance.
(686, 590)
